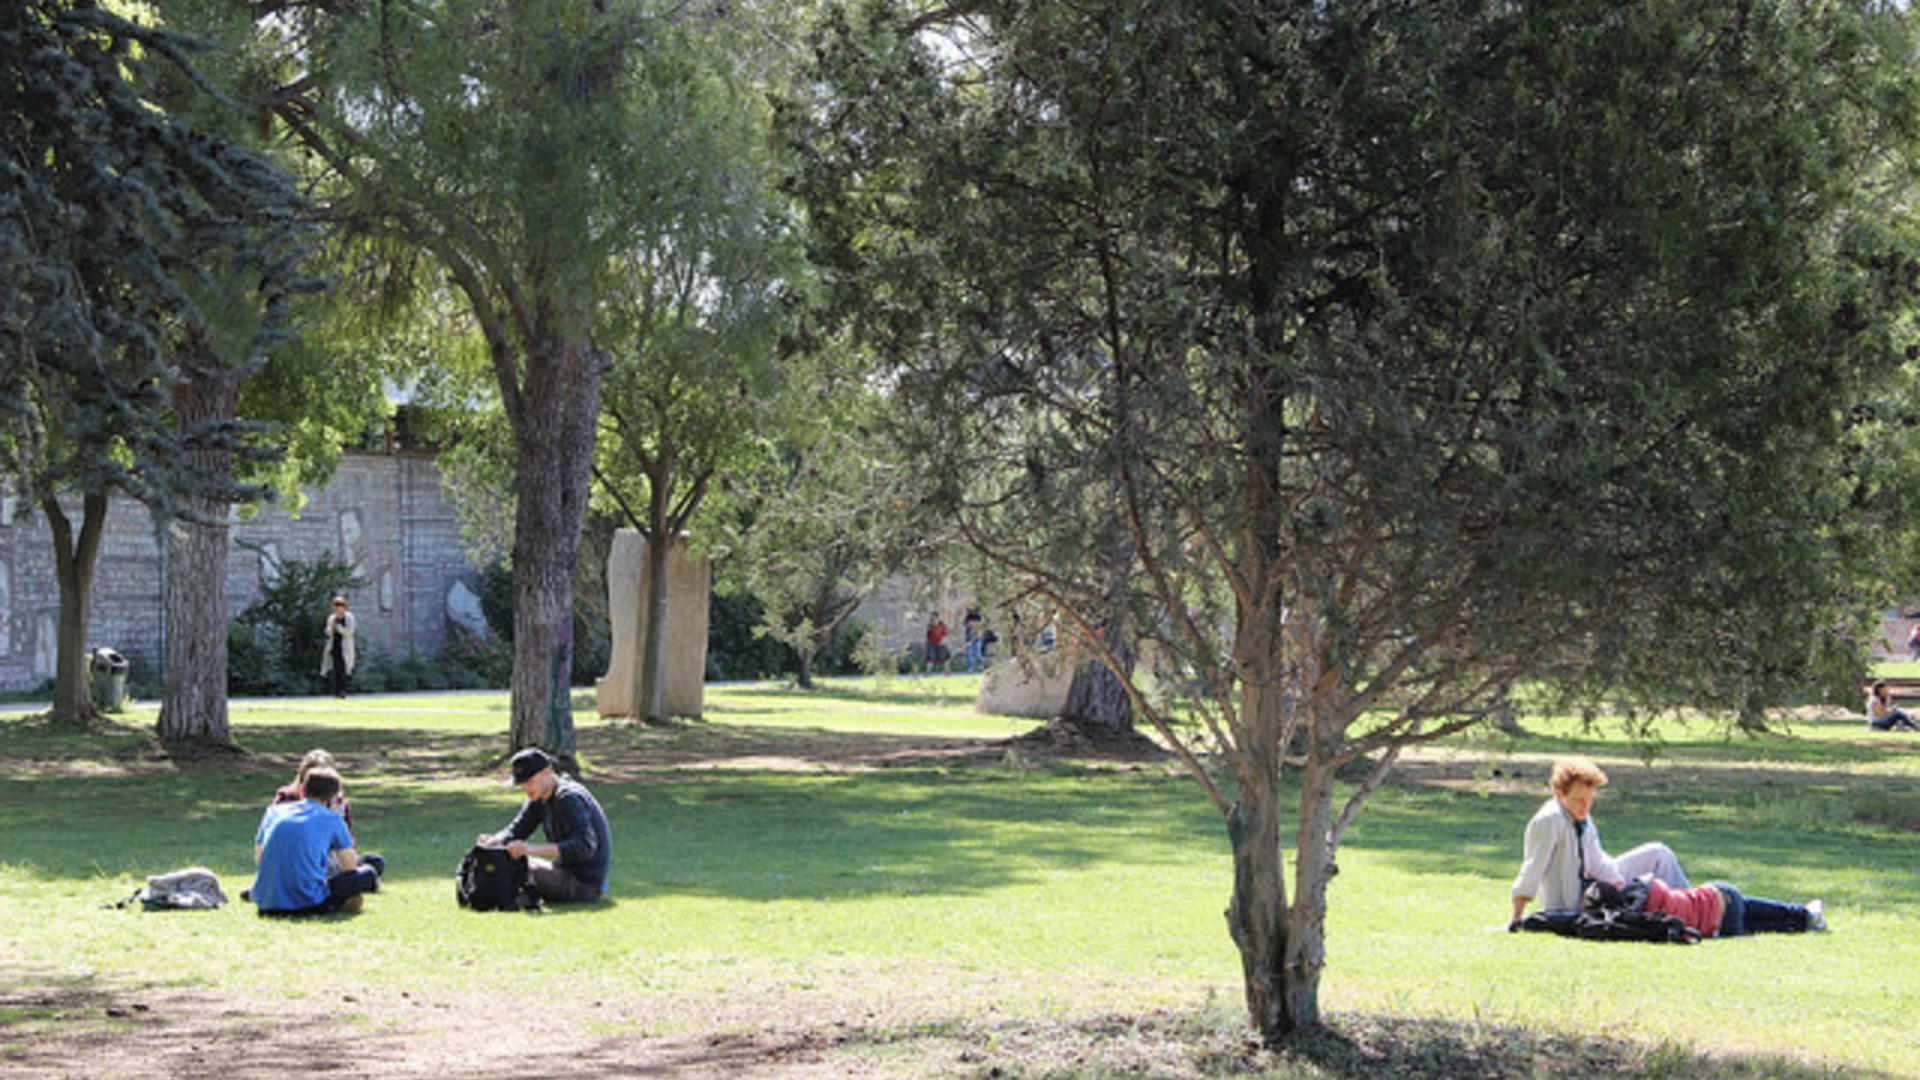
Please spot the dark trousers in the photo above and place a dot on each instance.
(1753, 915)
(337, 670)
(341, 887)
(558, 886)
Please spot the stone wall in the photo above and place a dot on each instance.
(385, 513)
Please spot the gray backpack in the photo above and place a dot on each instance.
(196, 888)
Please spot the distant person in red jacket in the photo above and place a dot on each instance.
(937, 650)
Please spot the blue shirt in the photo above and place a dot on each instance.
(295, 839)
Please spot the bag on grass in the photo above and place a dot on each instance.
(491, 879)
(195, 888)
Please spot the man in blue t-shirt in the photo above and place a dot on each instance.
(291, 850)
(572, 865)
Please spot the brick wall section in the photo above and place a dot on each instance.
(384, 512)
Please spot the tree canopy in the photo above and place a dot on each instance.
(528, 149)
(1377, 359)
(132, 241)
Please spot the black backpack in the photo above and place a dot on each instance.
(490, 879)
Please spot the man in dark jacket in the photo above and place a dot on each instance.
(572, 865)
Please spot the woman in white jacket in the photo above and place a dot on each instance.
(336, 653)
(1562, 850)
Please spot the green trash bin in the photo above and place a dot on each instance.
(108, 669)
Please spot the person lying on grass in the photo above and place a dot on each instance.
(293, 847)
(1715, 909)
(572, 865)
(1562, 852)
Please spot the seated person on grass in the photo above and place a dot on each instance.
(293, 848)
(1562, 849)
(572, 865)
(296, 790)
(1881, 713)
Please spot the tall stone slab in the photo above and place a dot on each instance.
(689, 581)
(1032, 683)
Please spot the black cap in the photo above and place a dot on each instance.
(528, 764)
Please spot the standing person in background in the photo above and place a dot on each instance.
(937, 651)
(336, 656)
(973, 630)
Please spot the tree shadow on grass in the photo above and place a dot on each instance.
(760, 815)
(1190, 1045)
(80, 1025)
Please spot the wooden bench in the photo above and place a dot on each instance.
(1901, 689)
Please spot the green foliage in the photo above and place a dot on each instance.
(735, 647)
(119, 250)
(477, 660)
(495, 590)
(258, 662)
(281, 633)
(1385, 354)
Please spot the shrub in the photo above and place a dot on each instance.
(257, 662)
(288, 621)
(479, 659)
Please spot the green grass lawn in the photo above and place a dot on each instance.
(853, 852)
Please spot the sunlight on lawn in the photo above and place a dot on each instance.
(991, 884)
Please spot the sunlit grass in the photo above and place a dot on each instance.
(988, 882)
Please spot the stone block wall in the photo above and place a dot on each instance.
(386, 513)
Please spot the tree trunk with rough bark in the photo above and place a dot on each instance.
(1097, 701)
(76, 558)
(553, 423)
(193, 702)
(653, 663)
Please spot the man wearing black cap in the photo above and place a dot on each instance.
(572, 865)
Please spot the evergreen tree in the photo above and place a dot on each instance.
(1400, 352)
(133, 244)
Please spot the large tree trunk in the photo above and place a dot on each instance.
(193, 704)
(1097, 700)
(193, 699)
(75, 560)
(1275, 660)
(1257, 916)
(653, 662)
(553, 424)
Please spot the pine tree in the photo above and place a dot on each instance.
(125, 234)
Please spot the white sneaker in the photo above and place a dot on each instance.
(1816, 915)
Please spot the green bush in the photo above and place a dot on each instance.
(283, 630)
(734, 649)
(257, 662)
(475, 660)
